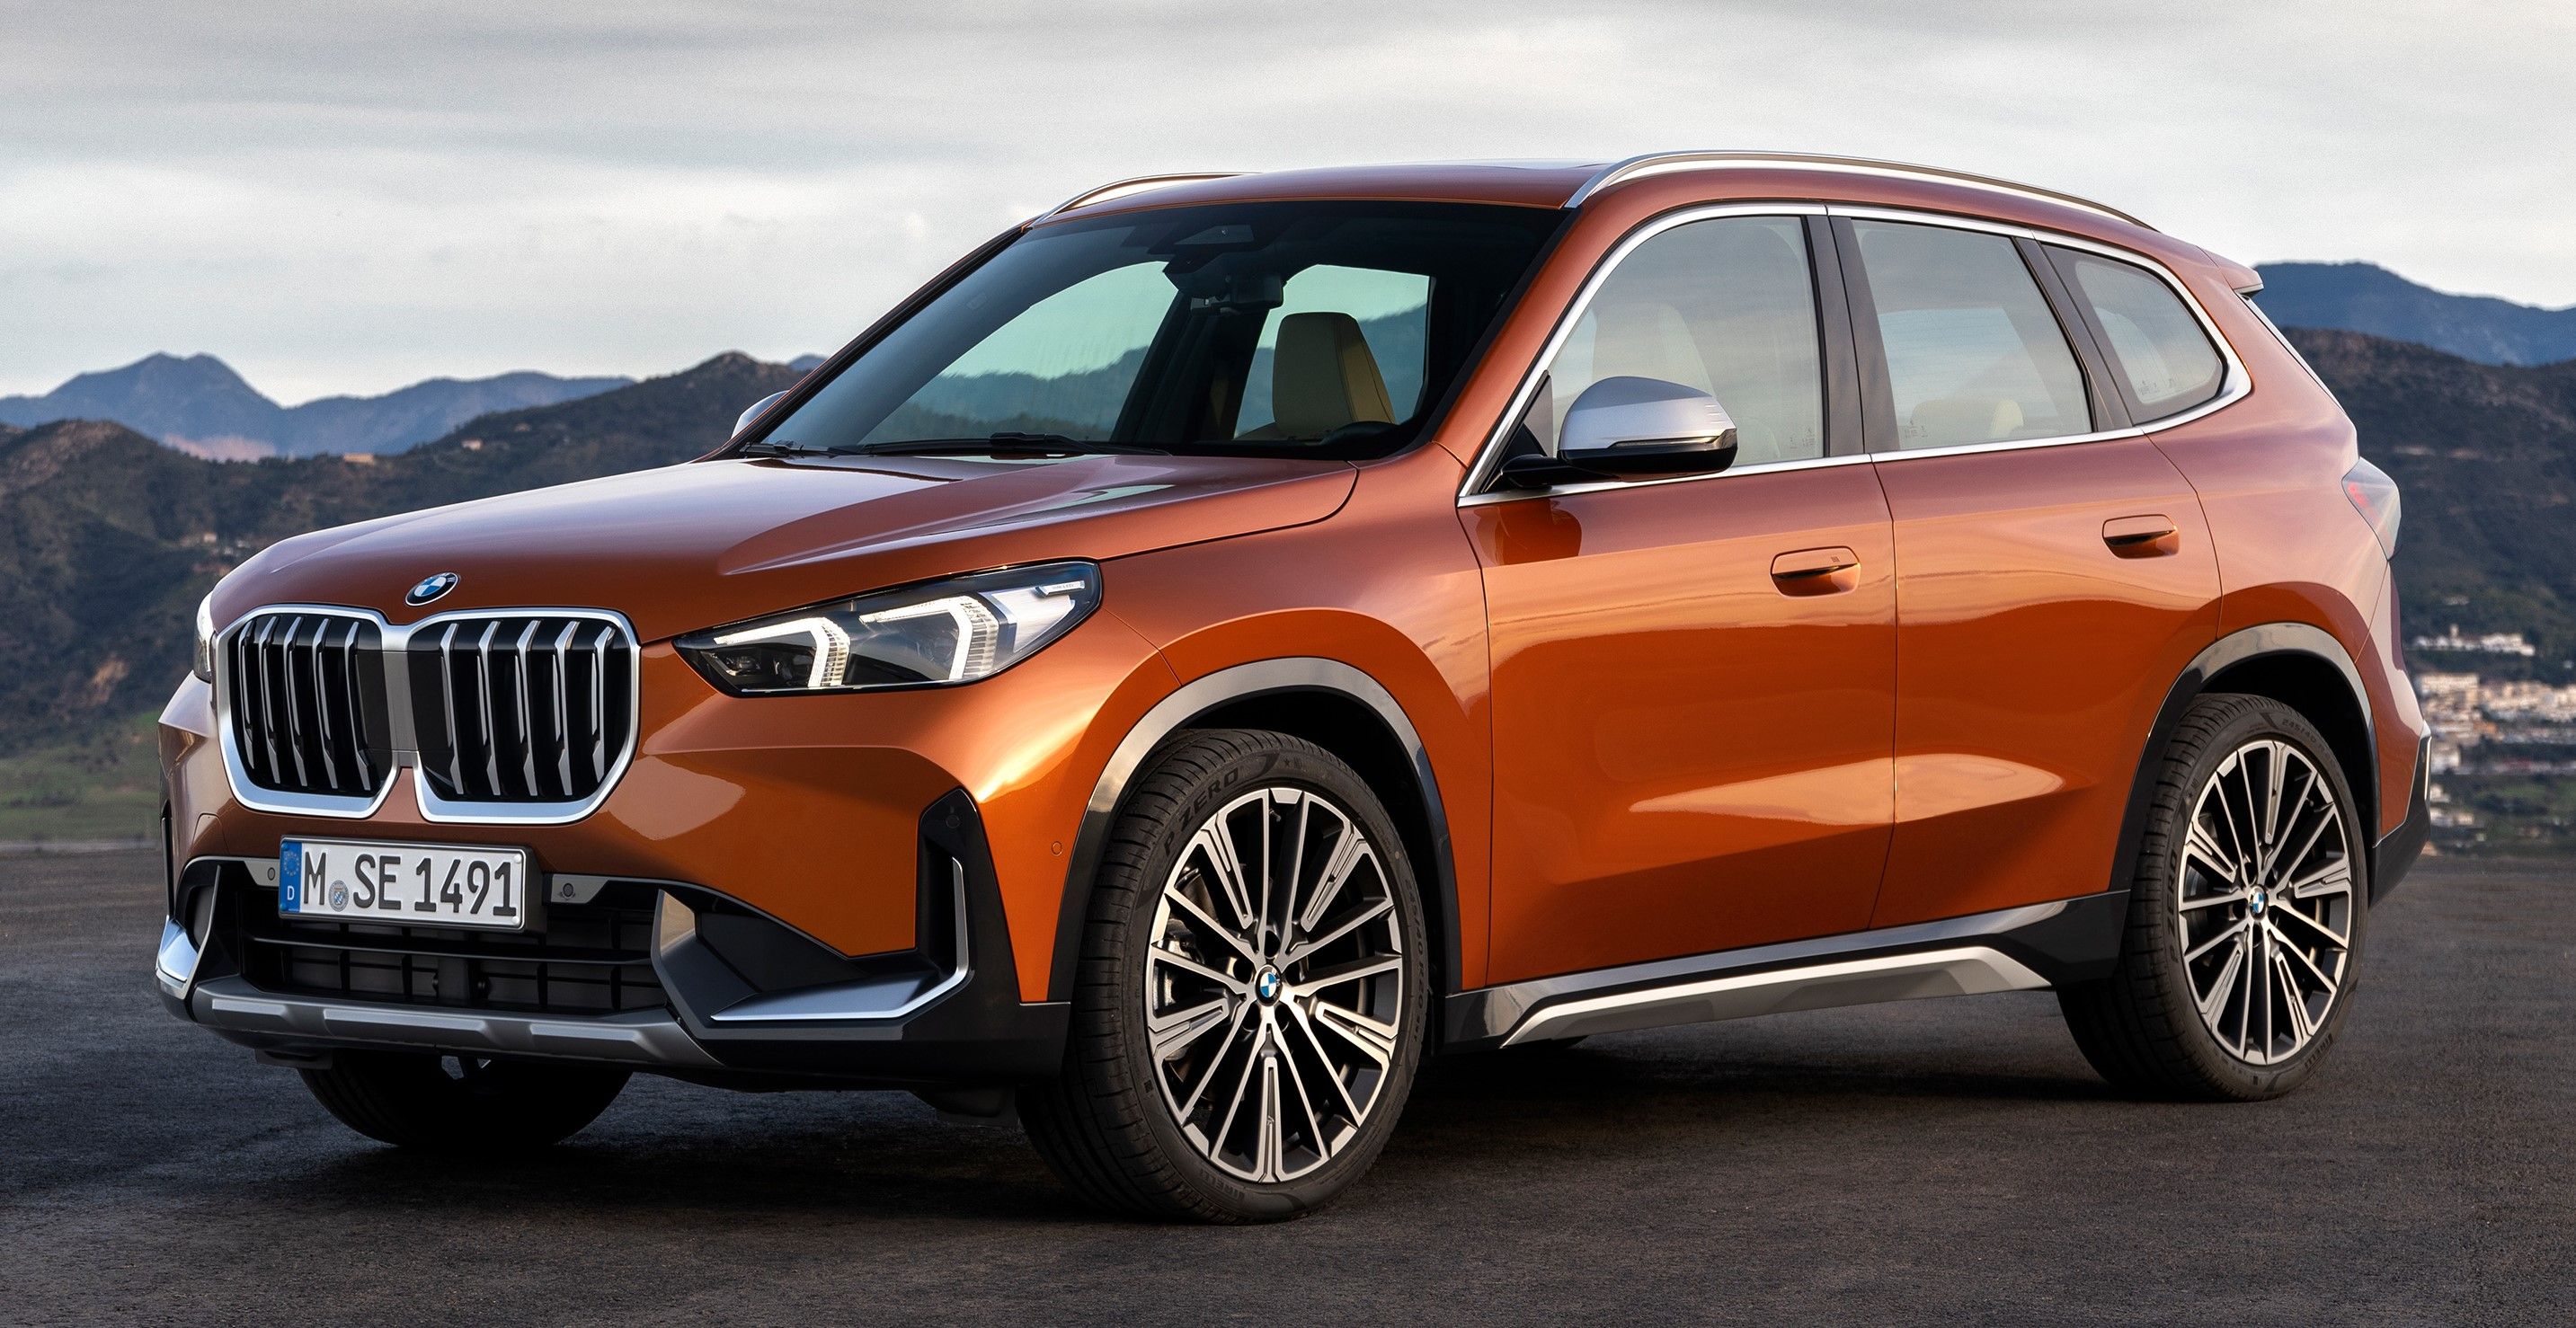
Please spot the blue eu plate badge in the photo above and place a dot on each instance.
(290, 877)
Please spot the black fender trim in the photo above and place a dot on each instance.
(2396, 852)
(1175, 713)
(2238, 647)
(876, 1028)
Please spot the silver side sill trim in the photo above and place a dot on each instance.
(646, 1038)
(1963, 971)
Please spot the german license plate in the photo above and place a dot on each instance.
(417, 884)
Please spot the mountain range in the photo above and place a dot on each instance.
(107, 538)
(199, 405)
(2364, 297)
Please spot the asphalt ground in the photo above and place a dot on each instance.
(1940, 1161)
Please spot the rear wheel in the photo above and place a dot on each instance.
(461, 1104)
(2245, 918)
(1251, 998)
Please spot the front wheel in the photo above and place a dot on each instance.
(1252, 992)
(2245, 917)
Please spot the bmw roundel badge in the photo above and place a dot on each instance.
(430, 588)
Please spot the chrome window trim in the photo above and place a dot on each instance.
(394, 641)
(1665, 163)
(1473, 490)
(1481, 472)
(1491, 496)
(2235, 387)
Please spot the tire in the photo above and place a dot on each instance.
(1146, 1134)
(461, 1104)
(2234, 919)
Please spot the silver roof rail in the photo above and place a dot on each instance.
(1133, 184)
(1657, 163)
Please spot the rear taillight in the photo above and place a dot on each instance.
(2374, 495)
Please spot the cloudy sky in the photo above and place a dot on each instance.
(340, 197)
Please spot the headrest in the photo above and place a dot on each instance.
(1322, 376)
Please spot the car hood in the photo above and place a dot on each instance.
(713, 542)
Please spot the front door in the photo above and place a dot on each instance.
(1691, 678)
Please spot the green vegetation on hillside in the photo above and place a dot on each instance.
(2486, 457)
(108, 539)
(103, 785)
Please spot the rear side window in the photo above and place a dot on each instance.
(2161, 356)
(1725, 306)
(1973, 353)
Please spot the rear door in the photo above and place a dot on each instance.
(2054, 575)
(1691, 677)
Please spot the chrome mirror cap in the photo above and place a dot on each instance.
(1645, 426)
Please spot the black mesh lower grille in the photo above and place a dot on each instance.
(591, 959)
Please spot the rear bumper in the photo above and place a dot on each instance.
(740, 997)
(2395, 854)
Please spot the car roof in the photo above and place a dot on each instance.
(1679, 177)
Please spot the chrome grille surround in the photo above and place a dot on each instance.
(299, 687)
(595, 648)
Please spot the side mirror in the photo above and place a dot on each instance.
(1643, 427)
(754, 412)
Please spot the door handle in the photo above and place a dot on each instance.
(2151, 536)
(1815, 571)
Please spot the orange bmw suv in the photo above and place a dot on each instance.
(1232, 637)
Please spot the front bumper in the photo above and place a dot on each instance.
(706, 987)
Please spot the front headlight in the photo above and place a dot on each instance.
(205, 663)
(931, 635)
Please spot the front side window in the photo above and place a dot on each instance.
(1973, 353)
(1725, 306)
(1315, 328)
(2163, 358)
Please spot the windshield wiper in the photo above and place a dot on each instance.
(1006, 441)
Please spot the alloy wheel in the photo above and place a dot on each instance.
(1274, 984)
(2266, 901)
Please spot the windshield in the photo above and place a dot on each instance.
(1318, 328)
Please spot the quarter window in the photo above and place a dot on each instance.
(2163, 358)
(1973, 353)
(1726, 306)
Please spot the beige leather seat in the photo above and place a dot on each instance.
(1322, 377)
